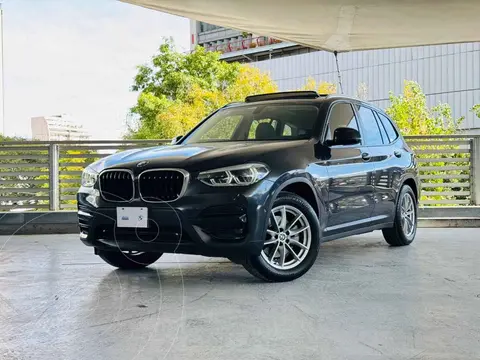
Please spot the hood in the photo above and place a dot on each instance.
(199, 156)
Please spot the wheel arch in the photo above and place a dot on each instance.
(301, 186)
(413, 183)
(305, 191)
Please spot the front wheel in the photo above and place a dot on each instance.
(292, 241)
(405, 225)
(128, 260)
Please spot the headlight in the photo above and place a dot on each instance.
(240, 175)
(89, 177)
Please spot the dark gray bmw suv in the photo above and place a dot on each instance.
(262, 182)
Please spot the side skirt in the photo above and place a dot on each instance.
(359, 231)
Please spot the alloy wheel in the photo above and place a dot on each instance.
(132, 253)
(407, 215)
(288, 239)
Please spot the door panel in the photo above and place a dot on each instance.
(350, 190)
(389, 160)
(387, 172)
(383, 159)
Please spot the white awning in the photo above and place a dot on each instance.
(338, 25)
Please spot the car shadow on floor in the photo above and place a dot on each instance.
(173, 273)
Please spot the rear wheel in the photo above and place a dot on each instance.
(405, 225)
(292, 241)
(128, 260)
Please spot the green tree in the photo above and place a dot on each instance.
(323, 87)
(171, 74)
(476, 110)
(178, 90)
(414, 117)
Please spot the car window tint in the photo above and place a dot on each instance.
(287, 130)
(382, 130)
(223, 129)
(258, 122)
(255, 123)
(387, 124)
(341, 115)
(372, 134)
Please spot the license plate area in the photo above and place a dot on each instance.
(132, 217)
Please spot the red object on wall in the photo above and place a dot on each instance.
(193, 39)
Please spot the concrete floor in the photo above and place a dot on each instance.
(361, 300)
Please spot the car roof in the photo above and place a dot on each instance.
(299, 97)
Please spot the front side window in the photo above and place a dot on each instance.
(258, 122)
(341, 115)
(372, 135)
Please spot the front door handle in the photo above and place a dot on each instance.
(397, 153)
(366, 156)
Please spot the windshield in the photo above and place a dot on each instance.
(258, 123)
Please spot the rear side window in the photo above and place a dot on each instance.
(382, 130)
(372, 135)
(387, 124)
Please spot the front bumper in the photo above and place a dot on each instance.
(226, 223)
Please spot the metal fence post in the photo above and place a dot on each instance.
(475, 170)
(53, 175)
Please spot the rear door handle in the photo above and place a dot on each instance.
(366, 156)
(397, 153)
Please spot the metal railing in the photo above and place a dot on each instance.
(240, 44)
(37, 175)
(448, 167)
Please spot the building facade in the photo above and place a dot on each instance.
(240, 46)
(447, 73)
(57, 128)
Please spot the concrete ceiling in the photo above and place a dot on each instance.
(338, 25)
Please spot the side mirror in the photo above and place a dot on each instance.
(346, 136)
(176, 139)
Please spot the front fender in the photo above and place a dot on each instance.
(292, 177)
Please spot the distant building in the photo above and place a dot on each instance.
(57, 128)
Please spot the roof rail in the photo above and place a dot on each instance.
(283, 95)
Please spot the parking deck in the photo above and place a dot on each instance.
(361, 300)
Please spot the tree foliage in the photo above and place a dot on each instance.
(171, 74)
(476, 110)
(414, 117)
(323, 87)
(178, 90)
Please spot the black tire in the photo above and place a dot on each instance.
(395, 236)
(260, 268)
(235, 260)
(128, 261)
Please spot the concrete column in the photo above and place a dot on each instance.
(475, 170)
(54, 177)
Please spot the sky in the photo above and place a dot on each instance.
(79, 57)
